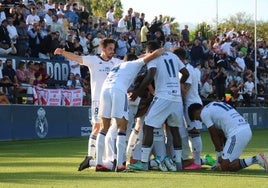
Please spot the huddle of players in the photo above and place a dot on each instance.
(159, 111)
(139, 100)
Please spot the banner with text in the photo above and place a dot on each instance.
(58, 97)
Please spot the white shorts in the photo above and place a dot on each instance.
(235, 144)
(113, 104)
(95, 111)
(162, 110)
(191, 124)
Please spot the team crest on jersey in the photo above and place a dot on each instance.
(41, 125)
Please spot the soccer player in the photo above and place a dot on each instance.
(222, 120)
(113, 104)
(166, 105)
(99, 67)
(190, 96)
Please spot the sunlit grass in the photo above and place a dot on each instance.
(54, 162)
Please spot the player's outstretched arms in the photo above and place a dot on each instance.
(68, 55)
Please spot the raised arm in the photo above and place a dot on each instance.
(68, 55)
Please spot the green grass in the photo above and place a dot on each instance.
(54, 162)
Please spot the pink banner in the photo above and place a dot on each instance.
(56, 97)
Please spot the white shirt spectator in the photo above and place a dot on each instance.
(75, 67)
(13, 34)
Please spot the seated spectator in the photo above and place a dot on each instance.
(43, 71)
(71, 81)
(78, 81)
(3, 99)
(207, 90)
(30, 72)
(21, 73)
(38, 80)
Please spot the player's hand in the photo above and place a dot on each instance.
(58, 51)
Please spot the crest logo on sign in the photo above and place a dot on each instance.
(41, 125)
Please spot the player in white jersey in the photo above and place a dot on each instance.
(113, 104)
(221, 119)
(191, 95)
(99, 67)
(166, 105)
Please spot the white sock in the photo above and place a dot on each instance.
(145, 153)
(196, 147)
(92, 145)
(132, 141)
(100, 147)
(185, 148)
(121, 148)
(177, 155)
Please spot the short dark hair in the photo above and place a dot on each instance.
(192, 109)
(104, 42)
(180, 52)
(130, 57)
(37, 74)
(152, 45)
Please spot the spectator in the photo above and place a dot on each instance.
(111, 20)
(71, 81)
(35, 39)
(122, 46)
(21, 72)
(43, 72)
(6, 45)
(185, 34)
(249, 91)
(32, 18)
(23, 40)
(207, 90)
(38, 80)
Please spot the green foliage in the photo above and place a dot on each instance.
(101, 7)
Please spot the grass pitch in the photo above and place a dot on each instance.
(54, 162)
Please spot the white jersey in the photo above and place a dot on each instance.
(192, 96)
(99, 70)
(123, 75)
(167, 85)
(224, 117)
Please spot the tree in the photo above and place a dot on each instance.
(100, 7)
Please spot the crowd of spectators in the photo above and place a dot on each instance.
(225, 62)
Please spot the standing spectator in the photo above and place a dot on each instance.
(136, 24)
(185, 34)
(2, 13)
(56, 26)
(6, 45)
(197, 53)
(32, 18)
(122, 46)
(122, 25)
(111, 20)
(35, 39)
(249, 91)
(220, 80)
(12, 31)
(83, 42)
(48, 17)
(167, 27)
(41, 12)
(71, 16)
(23, 39)
(144, 33)
(49, 5)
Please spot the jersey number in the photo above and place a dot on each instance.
(170, 68)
